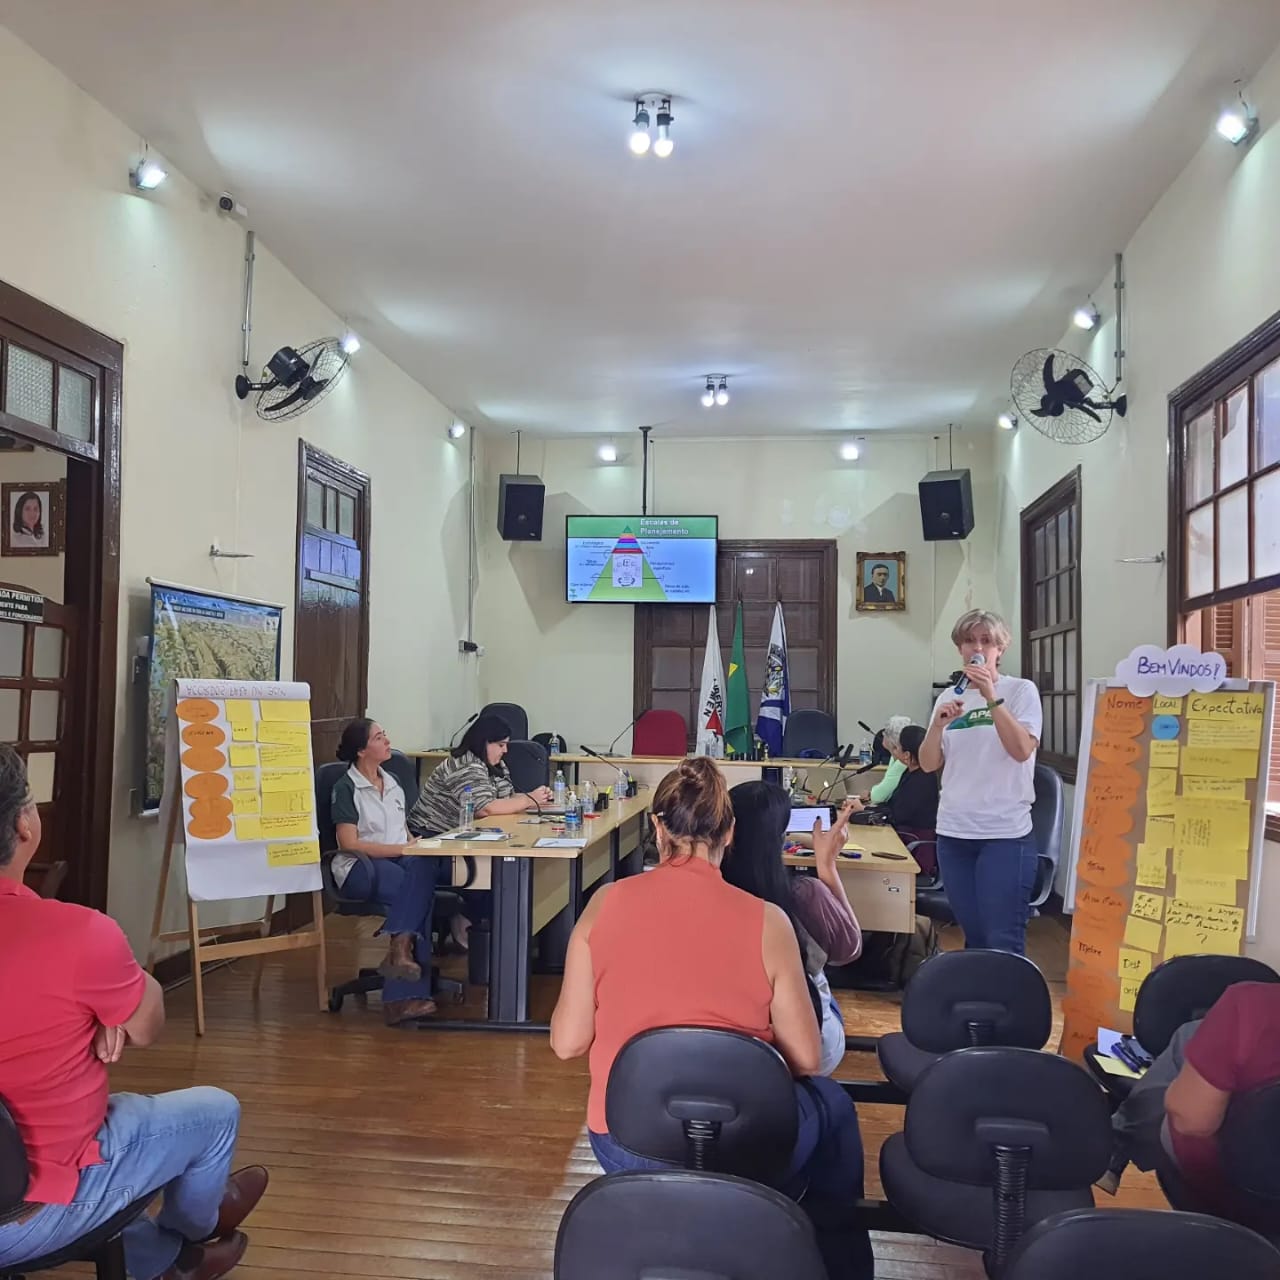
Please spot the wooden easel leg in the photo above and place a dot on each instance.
(317, 920)
(265, 932)
(157, 918)
(197, 976)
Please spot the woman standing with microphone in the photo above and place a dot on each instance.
(983, 737)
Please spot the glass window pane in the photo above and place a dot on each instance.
(315, 504)
(1039, 611)
(1233, 451)
(1059, 660)
(1266, 526)
(29, 386)
(1064, 539)
(1233, 539)
(40, 765)
(75, 404)
(1072, 680)
(1072, 733)
(1064, 598)
(1199, 557)
(346, 515)
(46, 658)
(1051, 548)
(1051, 601)
(11, 649)
(43, 723)
(1266, 403)
(331, 509)
(1037, 551)
(9, 706)
(1199, 458)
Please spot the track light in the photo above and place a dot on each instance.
(147, 175)
(639, 140)
(664, 146)
(350, 343)
(1006, 422)
(850, 451)
(457, 430)
(607, 452)
(1086, 317)
(722, 392)
(709, 395)
(1239, 122)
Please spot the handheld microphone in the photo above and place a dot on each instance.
(963, 683)
(466, 724)
(614, 743)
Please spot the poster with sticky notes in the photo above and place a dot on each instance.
(242, 753)
(1166, 840)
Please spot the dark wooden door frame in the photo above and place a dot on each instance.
(92, 576)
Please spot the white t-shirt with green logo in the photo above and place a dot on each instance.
(986, 793)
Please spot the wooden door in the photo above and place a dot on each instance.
(670, 640)
(331, 626)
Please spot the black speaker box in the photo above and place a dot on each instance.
(520, 508)
(946, 505)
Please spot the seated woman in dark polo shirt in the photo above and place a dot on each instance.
(913, 807)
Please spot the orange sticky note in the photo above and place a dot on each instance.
(1104, 860)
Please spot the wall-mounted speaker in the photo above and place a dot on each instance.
(946, 505)
(520, 508)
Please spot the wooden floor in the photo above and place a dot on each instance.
(448, 1155)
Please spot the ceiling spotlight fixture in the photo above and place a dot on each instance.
(1007, 421)
(709, 395)
(1086, 317)
(147, 175)
(664, 146)
(350, 343)
(608, 452)
(457, 430)
(722, 392)
(639, 140)
(850, 452)
(1239, 122)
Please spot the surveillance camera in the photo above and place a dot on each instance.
(227, 203)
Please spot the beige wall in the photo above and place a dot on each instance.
(1202, 270)
(571, 665)
(42, 574)
(163, 275)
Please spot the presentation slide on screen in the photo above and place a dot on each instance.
(640, 559)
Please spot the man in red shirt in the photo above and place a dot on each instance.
(1236, 1048)
(73, 998)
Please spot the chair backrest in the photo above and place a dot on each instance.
(961, 998)
(1186, 988)
(660, 733)
(15, 1172)
(706, 1099)
(972, 1101)
(326, 776)
(809, 731)
(1250, 1155)
(1046, 830)
(529, 764)
(703, 1226)
(515, 715)
(405, 772)
(552, 741)
(1140, 1243)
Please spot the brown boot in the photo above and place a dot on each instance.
(208, 1261)
(244, 1190)
(397, 1012)
(400, 964)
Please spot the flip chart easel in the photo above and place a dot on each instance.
(1166, 852)
(239, 787)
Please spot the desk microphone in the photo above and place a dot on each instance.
(466, 724)
(614, 743)
(978, 660)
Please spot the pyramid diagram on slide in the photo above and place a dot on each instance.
(627, 574)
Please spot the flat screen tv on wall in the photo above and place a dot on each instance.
(641, 559)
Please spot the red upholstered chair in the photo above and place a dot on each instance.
(660, 733)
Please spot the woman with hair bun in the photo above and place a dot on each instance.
(678, 946)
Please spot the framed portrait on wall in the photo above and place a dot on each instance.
(882, 581)
(34, 518)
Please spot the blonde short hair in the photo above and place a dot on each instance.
(969, 622)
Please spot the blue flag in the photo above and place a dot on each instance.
(775, 697)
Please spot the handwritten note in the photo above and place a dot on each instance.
(1162, 791)
(284, 733)
(1202, 822)
(242, 755)
(1101, 902)
(243, 802)
(1225, 733)
(1104, 860)
(1153, 866)
(1208, 888)
(1233, 863)
(1142, 934)
(1134, 964)
(293, 854)
(1162, 706)
(242, 730)
(1149, 906)
(1160, 831)
(275, 802)
(1226, 706)
(286, 780)
(244, 779)
(1223, 788)
(271, 709)
(1206, 917)
(1220, 762)
(1115, 749)
(283, 757)
(1164, 755)
(1129, 994)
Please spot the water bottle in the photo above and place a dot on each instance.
(864, 752)
(558, 789)
(588, 797)
(572, 816)
(467, 811)
(788, 778)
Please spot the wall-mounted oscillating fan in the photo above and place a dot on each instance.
(1062, 397)
(294, 381)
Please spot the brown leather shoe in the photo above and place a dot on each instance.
(244, 1190)
(208, 1261)
(400, 966)
(395, 1012)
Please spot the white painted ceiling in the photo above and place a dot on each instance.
(873, 207)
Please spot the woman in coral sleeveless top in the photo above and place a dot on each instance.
(678, 946)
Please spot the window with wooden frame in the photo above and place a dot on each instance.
(1224, 516)
(1051, 617)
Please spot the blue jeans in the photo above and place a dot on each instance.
(180, 1141)
(404, 888)
(825, 1168)
(989, 885)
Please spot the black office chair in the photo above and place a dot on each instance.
(707, 1226)
(103, 1246)
(1173, 993)
(553, 742)
(959, 999)
(704, 1099)
(809, 733)
(1140, 1244)
(515, 715)
(995, 1140)
(366, 980)
(529, 765)
(1047, 811)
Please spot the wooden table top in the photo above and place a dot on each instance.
(622, 762)
(872, 843)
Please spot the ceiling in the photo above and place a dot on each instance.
(873, 206)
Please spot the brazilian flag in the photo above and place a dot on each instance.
(737, 720)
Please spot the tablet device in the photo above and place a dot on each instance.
(803, 817)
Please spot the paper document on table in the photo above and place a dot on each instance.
(477, 836)
(559, 842)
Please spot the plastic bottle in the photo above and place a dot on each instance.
(864, 752)
(788, 778)
(558, 789)
(588, 797)
(572, 815)
(467, 811)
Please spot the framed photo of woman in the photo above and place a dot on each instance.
(882, 580)
(34, 518)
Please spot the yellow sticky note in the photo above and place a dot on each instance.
(1208, 888)
(284, 757)
(1182, 940)
(1225, 733)
(1164, 754)
(1223, 788)
(285, 732)
(1162, 791)
(1207, 917)
(243, 802)
(294, 854)
(244, 779)
(239, 710)
(1153, 866)
(286, 780)
(1162, 706)
(242, 730)
(287, 802)
(242, 755)
(1114, 1067)
(1129, 994)
(1142, 934)
(1160, 832)
(1220, 762)
(1134, 964)
(1225, 706)
(1148, 906)
(284, 827)
(269, 709)
(248, 828)
(1205, 822)
(1233, 863)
